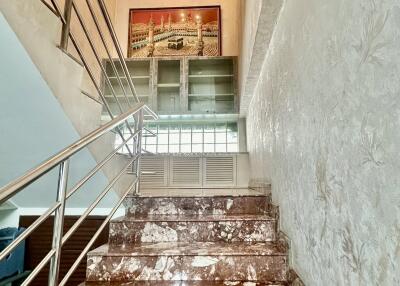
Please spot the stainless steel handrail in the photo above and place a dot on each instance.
(62, 159)
(75, 188)
(15, 186)
(136, 110)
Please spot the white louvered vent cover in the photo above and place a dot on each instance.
(219, 170)
(186, 171)
(152, 172)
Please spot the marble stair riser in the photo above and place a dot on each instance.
(128, 232)
(187, 268)
(183, 283)
(143, 206)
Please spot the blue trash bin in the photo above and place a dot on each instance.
(14, 262)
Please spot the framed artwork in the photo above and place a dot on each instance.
(186, 31)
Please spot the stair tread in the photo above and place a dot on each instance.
(182, 283)
(192, 249)
(194, 218)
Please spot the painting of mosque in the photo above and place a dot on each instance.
(189, 31)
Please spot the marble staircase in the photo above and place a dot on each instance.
(210, 240)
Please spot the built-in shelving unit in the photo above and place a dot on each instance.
(186, 92)
(179, 85)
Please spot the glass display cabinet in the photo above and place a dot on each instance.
(211, 86)
(179, 85)
(168, 86)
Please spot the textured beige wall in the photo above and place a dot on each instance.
(250, 16)
(257, 34)
(323, 127)
(230, 14)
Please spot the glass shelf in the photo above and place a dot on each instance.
(211, 86)
(168, 86)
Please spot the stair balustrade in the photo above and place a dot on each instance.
(131, 116)
(62, 161)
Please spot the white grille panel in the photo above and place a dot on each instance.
(219, 170)
(185, 171)
(153, 173)
(208, 171)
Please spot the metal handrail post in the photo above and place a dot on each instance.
(67, 25)
(58, 223)
(139, 123)
(95, 236)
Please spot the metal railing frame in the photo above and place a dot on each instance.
(135, 110)
(62, 159)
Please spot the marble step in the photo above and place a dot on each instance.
(188, 228)
(183, 283)
(143, 206)
(182, 261)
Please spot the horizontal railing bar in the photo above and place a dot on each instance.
(91, 97)
(39, 267)
(52, 9)
(150, 112)
(57, 8)
(28, 231)
(95, 236)
(99, 166)
(75, 226)
(149, 131)
(15, 186)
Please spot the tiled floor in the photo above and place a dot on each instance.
(200, 192)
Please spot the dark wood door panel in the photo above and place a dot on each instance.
(39, 243)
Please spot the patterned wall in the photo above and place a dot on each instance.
(324, 129)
